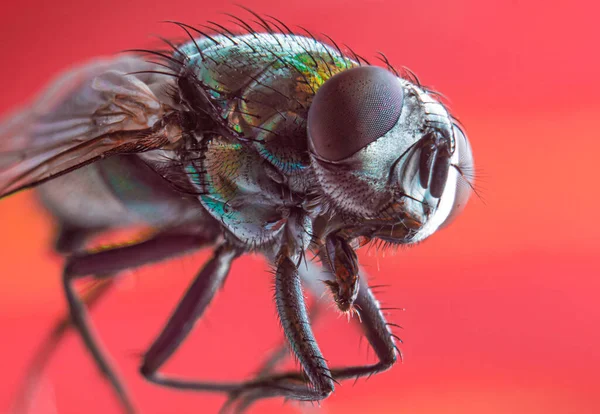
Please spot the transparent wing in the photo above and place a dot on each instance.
(104, 107)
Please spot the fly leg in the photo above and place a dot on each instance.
(190, 308)
(69, 239)
(279, 354)
(314, 384)
(374, 326)
(108, 263)
(44, 353)
(271, 363)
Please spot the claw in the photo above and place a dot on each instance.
(237, 402)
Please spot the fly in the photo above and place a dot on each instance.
(263, 141)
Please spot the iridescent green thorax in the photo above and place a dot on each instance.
(263, 86)
(258, 81)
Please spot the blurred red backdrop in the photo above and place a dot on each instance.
(501, 307)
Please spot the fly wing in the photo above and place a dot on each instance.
(105, 107)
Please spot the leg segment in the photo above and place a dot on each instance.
(46, 350)
(69, 239)
(279, 354)
(190, 309)
(294, 319)
(270, 364)
(373, 323)
(374, 327)
(109, 262)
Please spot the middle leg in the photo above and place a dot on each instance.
(317, 384)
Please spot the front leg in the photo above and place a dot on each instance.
(296, 326)
(268, 367)
(372, 322)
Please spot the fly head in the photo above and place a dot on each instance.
(387, 155)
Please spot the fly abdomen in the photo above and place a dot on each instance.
(145, 193)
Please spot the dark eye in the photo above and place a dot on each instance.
(465, 168)
(353, 109)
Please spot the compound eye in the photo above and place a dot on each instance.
(353, 109)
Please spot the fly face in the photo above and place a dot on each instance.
(387, 155)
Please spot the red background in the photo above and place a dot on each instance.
(501, 307)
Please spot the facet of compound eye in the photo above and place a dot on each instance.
(353, 109)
